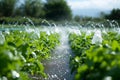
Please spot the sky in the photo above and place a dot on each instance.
(92, 7)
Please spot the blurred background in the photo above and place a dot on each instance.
(59, 10)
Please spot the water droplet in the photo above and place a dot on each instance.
(15, 74)
(2, 38)
(97, 38)
(7, 31)
(34, 54)
(108, 78)
(88, 32)
(64, 79)
(3, 78)
(113, 53)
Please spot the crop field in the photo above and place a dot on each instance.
(82, 53)
(59, 40)
(21, 53)
(96, 56)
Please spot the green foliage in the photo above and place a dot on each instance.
(33, 8)
(79, 44)
(77, 18)
(22, 53)
(57, 10)
(96, 61)
(52, 9)
(113, 15)
(20, 20)
(7, 7)
(100, 63)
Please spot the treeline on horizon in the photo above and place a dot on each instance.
(55, 10)
(51, 9)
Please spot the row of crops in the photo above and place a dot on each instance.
(96, 55)
(21, 53)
